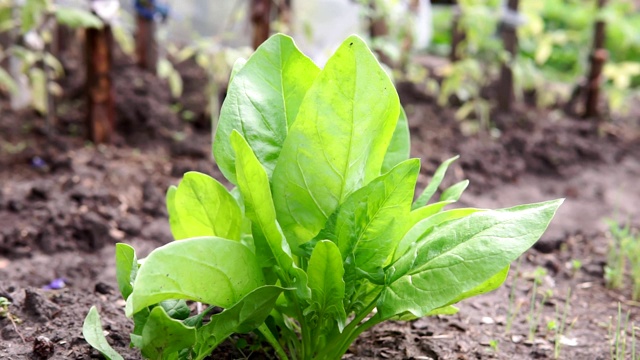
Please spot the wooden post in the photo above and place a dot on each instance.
(261, 20)
(377, 23)
(146, 46)
(101, 115)
(457, 35)
(284, 14)
(510, 40)
(598, 58)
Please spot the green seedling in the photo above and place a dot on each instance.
(5, 313)
(320, 240)
(624, 249)
(494, 345)
(535, 312)
(513, 309)
(560, 324)
(618, 333)
(616, 261)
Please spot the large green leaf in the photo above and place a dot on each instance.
(92, 332)
(368, 225)
(400, 147)
(262, 102)
(327, 286)
(268, 238)
(176, 228)
(204, 207)
(126, 268)
(421, 229)
(338, 142)
(431, 189)
(244, 316)
(162, 337)
(459, 256)
(210, 270)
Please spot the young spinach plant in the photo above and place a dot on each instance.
(321, 238)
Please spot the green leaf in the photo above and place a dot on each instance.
(493, 283)
(426, 211)
(338, 142)
(163, 336)
(7, 82)
(367, 226)
(400, 147)
(460, 255)
(92, 332)
(454, 192)
(211, 270)
(176, 309)
(126, 268)
(176, 228)
(243, 317)
(77, 18)
(431, 189)
(206, 208)
(237, 66)
(262, 102)
(445, 310)
(424, 226)
(32, 12)
(268, 238)
(327, 286)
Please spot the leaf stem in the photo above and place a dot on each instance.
(264, 330)
(346, 337)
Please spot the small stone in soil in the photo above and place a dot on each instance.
(487, 320)
(43, 348)
(516, 339)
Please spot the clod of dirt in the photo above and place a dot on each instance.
(93, 231)
(37, 304)
(103, 288)
(548, 245)
(43, 348)
(130, 224)
(15, 206)
(188, 148)
(39, 192)
(143, 106)
(158, 230)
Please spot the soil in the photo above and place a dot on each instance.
(65, 203)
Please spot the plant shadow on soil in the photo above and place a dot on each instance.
(64, 204)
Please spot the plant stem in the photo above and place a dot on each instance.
(264, 329)
(374, 320)
(344, 340)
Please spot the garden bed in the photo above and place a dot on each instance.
(64, 204)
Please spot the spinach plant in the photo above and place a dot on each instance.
(321, 238)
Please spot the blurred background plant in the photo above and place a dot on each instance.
(457, 52)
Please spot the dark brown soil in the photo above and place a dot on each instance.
(64, 204)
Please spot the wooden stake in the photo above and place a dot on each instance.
(101, 115)
(510, 40)
(457, 35)
(146, 46)
(261, 20)
(599, 57)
